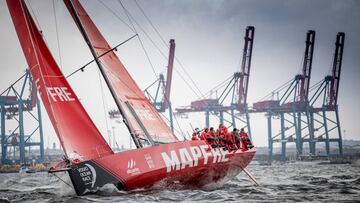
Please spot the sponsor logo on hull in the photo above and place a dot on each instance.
(87, 174)
(131, 168)
(149, 161)
(189, 157)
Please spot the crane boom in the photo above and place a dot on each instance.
(245, 67)
(166, 99)
(336, 70)
(307, 65)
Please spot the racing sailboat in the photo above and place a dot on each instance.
(90, 162)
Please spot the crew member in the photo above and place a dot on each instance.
(246, 143)
(230, 138)
(236, 136)
(221, 133)
(211, 138)
(204, 134)
(195, 135)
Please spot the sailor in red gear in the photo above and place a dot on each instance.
(243, 139)
(236, 137)
(249, 143)
(230, 138)
(211, 138)
(194, 136)
(221, 134)
(204, 134)
(246, 143)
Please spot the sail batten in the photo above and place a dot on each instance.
(77, 133)
(145, 121)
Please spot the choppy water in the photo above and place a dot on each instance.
(291, 182)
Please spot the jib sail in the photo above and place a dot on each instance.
(77, 133)
(143, 118)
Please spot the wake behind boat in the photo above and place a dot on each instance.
(89, 160)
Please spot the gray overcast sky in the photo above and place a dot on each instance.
(209, 41)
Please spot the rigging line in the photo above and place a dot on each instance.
(152, 25)
(146, 34)
(62, 180)
(114, 13)
(104, 104)
(187, 73)
(33, 14)
(57, 34)
(115, 48)
(186, 82)
(168, 121)
(162, 39)
(182, 132)
(172, 114)
(162, 53)
(128, 15)
(145, 90)
(37, 24)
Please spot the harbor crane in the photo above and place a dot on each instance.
(235, 90)
(291, 107)
(323, 110)
(21, 142)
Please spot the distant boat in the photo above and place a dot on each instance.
(89, 160)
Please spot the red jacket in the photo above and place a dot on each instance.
(203, 136)
(229, 137)
(194, 138)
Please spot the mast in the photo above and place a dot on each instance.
(101, 68)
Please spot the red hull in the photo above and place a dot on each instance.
(186, 164)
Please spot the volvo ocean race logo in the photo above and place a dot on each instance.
(88, 174)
